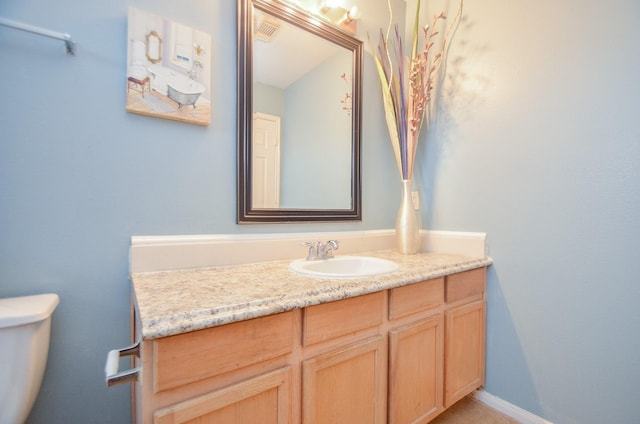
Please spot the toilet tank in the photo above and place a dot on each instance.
(25, 327)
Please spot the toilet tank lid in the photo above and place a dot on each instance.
(27, 309)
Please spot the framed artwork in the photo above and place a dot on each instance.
(168, 69)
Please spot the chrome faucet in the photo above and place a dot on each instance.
(321, 251)
(325, 251)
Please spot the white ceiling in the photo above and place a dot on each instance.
(290, 54)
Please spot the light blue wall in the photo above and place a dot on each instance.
(268, 99)
(539, 146)
(79, 176)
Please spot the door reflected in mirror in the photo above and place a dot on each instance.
(299, 117)
(265, 159)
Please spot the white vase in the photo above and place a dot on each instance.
(407, 226)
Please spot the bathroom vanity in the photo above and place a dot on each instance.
(259, 343)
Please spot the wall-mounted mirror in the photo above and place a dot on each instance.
(299, 116)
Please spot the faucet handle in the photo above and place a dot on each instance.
(312, 250)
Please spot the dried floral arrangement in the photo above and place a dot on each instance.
(407, 82)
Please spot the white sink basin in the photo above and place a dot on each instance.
(344, 267)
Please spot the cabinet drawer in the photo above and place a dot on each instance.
(416, 297)
(466, 285)
(194, 356)
(335, 319)
(262, 399)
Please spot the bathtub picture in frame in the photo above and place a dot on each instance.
(168, 69)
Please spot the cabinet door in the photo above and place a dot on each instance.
(263, 399)
(464, 350)
(346, 385)
(416, 363)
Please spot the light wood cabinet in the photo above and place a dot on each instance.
(416, 371)
(416, 352)
(345, 386)
(396, 356)
(465, 347)
(465, 334)
(344, 361)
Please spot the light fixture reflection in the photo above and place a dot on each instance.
(336, 13)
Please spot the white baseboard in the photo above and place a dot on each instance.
(509, 409)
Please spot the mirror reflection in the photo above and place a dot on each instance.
(299, 117)
(302, 133)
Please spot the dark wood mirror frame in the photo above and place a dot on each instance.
(315, 25)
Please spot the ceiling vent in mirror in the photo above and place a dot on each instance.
(265, 27)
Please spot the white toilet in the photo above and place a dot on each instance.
(25, 326)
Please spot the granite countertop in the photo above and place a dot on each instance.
(175, 302)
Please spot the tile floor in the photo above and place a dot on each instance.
(470, 411)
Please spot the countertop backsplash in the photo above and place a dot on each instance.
(166, 253)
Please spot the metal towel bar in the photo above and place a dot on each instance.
(68, 42)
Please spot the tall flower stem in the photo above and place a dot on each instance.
(407, 82)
